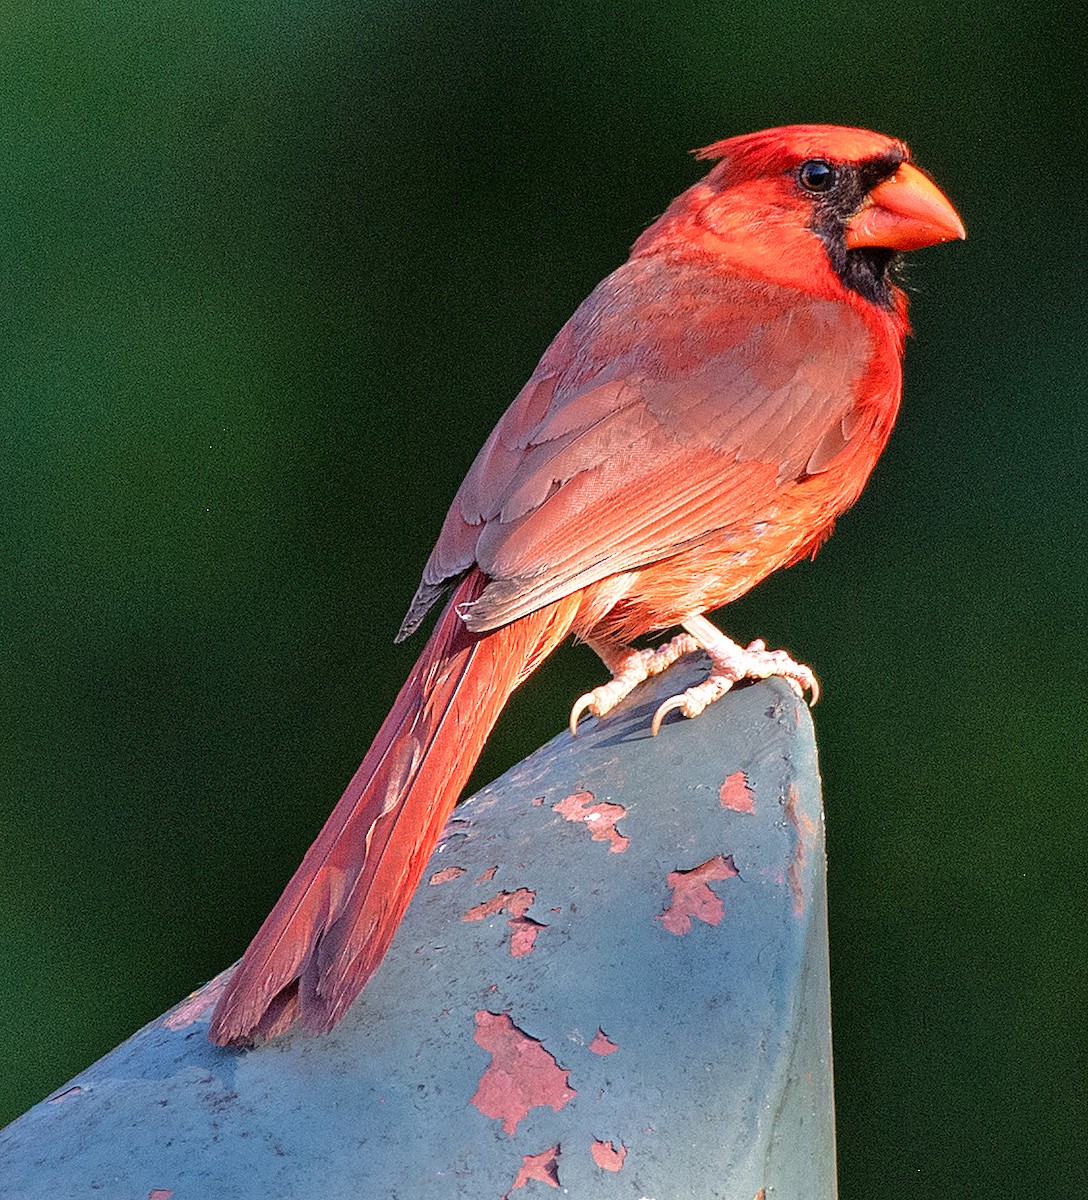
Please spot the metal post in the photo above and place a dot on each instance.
(613, 982)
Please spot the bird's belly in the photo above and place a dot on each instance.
(704, 576)
(697, 580)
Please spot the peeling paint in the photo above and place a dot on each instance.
(607, 1157)
(515, 903)
(160, 1194)
(737, 794)
(523, 938)
(446, 875)
(692, 898)
(525, 929)
(543, 1167)
(599, 819)
(521, 1075)
(602, 1043)
(409, 1050)
(806, 837)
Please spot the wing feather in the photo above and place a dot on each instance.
(650, 424)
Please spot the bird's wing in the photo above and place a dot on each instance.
(667, 409)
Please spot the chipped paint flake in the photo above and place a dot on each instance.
(736, 793)
(607, 1157)
(446, 875)
(67, 1094)
(807, 832)
(488, 875)
(521, 1075)
(602, 1043)
(523, 939)
(515, 903)
(599, 819)
(160, 1194)
(692, 898)
(543, 1167)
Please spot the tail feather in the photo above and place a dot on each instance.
(334, 922)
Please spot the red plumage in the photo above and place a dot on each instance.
(698, 423)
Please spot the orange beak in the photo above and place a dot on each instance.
(905, 212)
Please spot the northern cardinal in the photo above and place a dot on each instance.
(698, 423)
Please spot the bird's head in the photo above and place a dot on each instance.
(817, 206)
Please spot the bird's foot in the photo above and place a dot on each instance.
(627, 673)
(730, 664)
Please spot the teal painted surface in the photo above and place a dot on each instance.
(270, 273)
(718, 1080)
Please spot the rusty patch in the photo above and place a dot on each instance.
(602, 1043)
(599, 819)
(692, 898)
(806, 838)
(487, 876)
(737, 794)
(521, 1075)
(607, 1157)
(446, 875)
(195, 1005)
(543, 1167)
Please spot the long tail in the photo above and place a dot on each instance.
(334, 922)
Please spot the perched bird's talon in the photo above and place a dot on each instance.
(581, 705)
(663, 711)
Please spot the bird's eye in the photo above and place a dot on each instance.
(816, 175)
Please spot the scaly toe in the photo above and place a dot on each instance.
(635, 666)
(692, 702)
(763, 663)
(603, 699)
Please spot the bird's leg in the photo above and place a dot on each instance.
(629, 668)
(730, 664)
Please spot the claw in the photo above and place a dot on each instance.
(801, 679)
(581, 705)
(663, 711)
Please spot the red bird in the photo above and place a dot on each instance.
(699, 422)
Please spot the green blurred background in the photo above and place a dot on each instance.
(271, 271)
